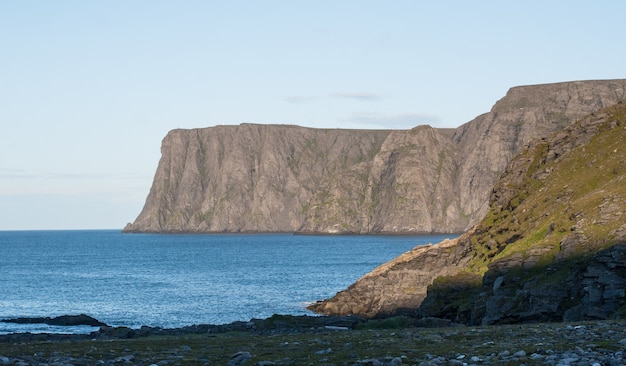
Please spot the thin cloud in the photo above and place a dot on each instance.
(399, 121)
(364, 97)
(16, 174)
(25, 174)
(358, 96)
(77, 176)
(72, 184)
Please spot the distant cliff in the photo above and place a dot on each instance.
(248, 178)
(551, 247)
(280, 178)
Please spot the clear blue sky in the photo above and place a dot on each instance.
(88, 89)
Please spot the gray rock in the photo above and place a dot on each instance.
(324, 351)
(519, 354)
(401, 283)
(239, 358)
(369, 362)
(125, 359)
(497, 283)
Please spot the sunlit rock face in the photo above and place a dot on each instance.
(281, 178)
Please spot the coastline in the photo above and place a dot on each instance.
(291, 323)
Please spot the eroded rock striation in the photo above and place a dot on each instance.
(279, 178)
(551, 247)
(398, 286)
(247, 178)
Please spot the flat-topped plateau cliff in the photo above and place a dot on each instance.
(282, 178)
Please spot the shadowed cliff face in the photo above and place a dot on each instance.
(270, 178)
(551, 247)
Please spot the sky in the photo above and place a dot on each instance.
(88, 89)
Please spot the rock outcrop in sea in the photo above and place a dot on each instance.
(551, 247)
(279, 178)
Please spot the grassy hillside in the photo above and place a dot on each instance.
(582, 192)
(560, 203)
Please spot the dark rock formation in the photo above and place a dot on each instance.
(269, 178)
(593, 289)
(551, 247)
(63, 320)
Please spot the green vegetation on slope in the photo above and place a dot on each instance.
(581, 192)
(559, 205)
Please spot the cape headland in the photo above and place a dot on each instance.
(282, 178)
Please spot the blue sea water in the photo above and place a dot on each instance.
(176, 280)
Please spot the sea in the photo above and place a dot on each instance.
(175, 280)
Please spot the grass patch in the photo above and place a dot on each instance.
(327, 347)
(396, 322)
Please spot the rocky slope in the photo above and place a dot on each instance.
(270, 178)
(551, 247)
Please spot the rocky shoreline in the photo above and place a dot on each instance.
(296, 340)
(273, 324)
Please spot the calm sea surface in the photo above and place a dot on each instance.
(176, 280)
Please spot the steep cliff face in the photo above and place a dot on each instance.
(406, 187)
(489, 142)
(551, 247)
(287, 178)
(248, 177)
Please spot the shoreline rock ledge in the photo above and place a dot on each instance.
(398, 286)
(63, 320)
